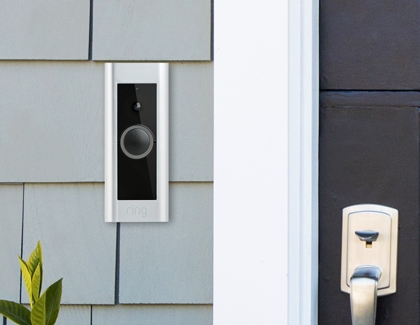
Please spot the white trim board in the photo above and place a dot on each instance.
(265, 162)
(303, 161)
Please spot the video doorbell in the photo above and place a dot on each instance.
(136, 142)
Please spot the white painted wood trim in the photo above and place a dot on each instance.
(303, 161)
(265, 162)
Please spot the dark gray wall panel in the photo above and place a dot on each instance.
(52, 122)
(10, 240)
(152, 315)
(44, 30)
(369, 153)
(370, 99)
(370, 44)
(78, 245)
(171, 262)
(141, 30)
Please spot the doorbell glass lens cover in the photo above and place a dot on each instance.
(137, 154)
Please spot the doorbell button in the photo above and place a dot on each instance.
(137, 141)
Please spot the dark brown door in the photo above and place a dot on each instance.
(369, 141)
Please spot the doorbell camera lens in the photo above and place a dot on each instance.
(137, 141)
(137, 107)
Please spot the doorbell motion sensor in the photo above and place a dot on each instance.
(136, 142)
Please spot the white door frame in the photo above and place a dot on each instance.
(303, 161)
(265, 162)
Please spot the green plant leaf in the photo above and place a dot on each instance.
(27, 279)
(45, 310)
(35, 258)
(15, 312)
(36, 283)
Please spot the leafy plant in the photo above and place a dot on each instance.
(44, 308)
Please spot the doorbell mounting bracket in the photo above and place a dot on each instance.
(136, 142)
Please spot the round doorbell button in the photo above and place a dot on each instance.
(137, 141)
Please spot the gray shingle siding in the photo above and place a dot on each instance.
(10, 240)
(140, 30)
(52, 165)
(78, 245)
(171, 263)
(152, 315)
(52, 121)
(44, 30)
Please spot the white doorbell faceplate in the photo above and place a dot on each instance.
(136, 142)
